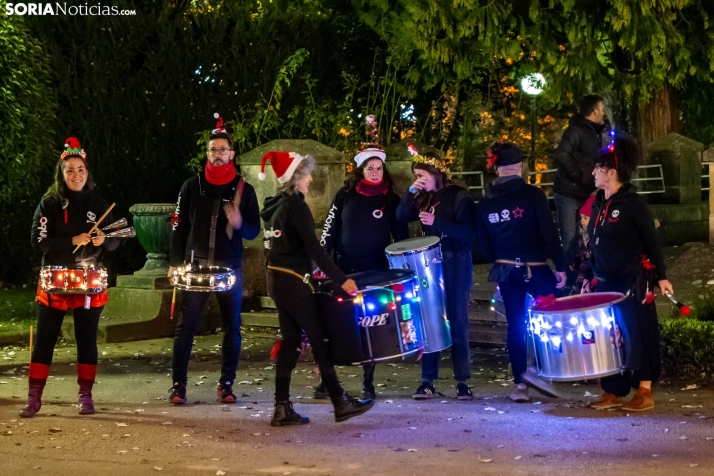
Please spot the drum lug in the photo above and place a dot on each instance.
(425, 260)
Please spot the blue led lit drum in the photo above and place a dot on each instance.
(574, 337)
(204, 279)
(423, 256)
(382, 322)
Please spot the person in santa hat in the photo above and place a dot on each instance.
(627, 258)
(221, 197)
(290, 248)
(67, 212)
(581, 264)
(516, 232)
(366, 202)
(445, 210)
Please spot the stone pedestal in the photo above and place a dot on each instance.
(681, 160)
(708, 158)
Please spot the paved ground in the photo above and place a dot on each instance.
(136, 432)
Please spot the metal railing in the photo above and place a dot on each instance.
(658, 177)
(469, 178)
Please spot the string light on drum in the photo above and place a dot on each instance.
(204, 278)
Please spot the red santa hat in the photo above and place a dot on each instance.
(73, 149)
(284, 164)
(220, 127)
(587, 208)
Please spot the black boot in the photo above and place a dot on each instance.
(368, 382)
(285, 415)
(347, 406)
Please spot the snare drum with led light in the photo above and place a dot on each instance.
(203, 278)
(572, 337)
(73, 279)
(382, 322)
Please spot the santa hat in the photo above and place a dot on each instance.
(220, 128)
(370, 153)
(587, 208)
(284, 164)
(73, 149)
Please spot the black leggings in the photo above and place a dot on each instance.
(49, 326)
(298, 310)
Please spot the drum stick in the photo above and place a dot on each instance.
(683, 308)
(173, 302)
(94, 228)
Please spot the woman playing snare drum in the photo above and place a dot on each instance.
(63, 219)
(627, 258)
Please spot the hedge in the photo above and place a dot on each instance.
(687, 347)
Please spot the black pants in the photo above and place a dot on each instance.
(192, 304)
(640, 330)
(541, 283)
(298, 310)
(49, 326)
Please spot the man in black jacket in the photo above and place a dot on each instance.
(575, 157)
(515, 231)
(215, 211)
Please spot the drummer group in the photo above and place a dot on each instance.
(511, 226)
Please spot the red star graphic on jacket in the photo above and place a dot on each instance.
(517, 213)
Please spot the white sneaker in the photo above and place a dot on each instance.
(520, 393)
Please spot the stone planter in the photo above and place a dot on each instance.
(152, 222)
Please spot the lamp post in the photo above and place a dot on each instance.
(533, 85)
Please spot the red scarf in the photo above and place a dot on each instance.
(371, 189)
(220, 174)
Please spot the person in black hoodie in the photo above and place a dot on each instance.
(215, 211)
(515, 230)
(575, 156)
(627, 258)
(360, 224)
(290, 248)
(446, 210)
(62, 221)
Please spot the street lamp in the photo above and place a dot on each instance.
(533, 85)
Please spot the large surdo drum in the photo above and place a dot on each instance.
(382, 322)
(574, 337)
(423, 256)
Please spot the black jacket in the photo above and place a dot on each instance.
(358, 228)
(289, 237)
(621, 232)
(192, 222)
(513, 221)
(575, 158)
(453, 217)
(52, 235)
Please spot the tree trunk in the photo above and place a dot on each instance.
(660, 116)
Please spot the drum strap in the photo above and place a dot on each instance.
(305, 279)
(518, 264)
(212, 235)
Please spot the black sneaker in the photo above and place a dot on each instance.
(225, 393)
(369, 392)
(424, 392)
(285, 415)
(320, 392)
(463, 392)
(177, 393)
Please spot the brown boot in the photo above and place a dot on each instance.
(642, 401)
(607, 400)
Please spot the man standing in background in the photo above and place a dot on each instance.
(575, 157)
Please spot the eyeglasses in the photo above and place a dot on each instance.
(221, 151)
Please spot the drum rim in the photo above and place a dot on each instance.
(621, 298)
(412, 251)
(377, 286)
(576, 378)
(57, 267)
(203, 289)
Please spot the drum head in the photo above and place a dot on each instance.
(412, 245)
(579, 303)
(382, 277)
